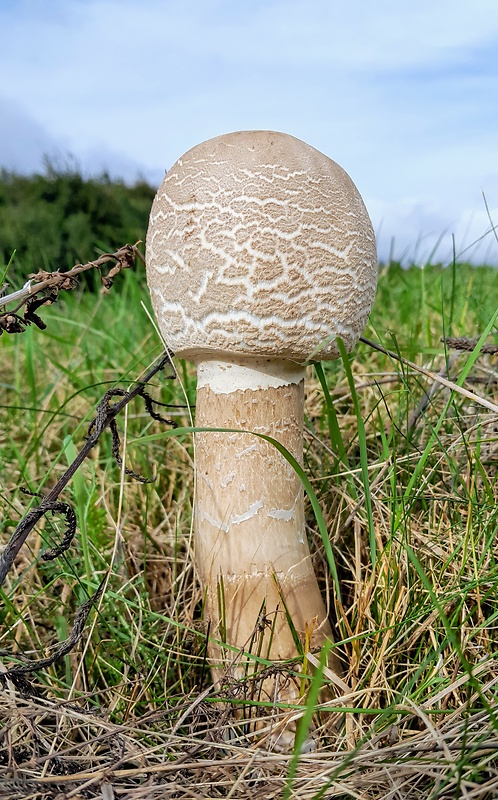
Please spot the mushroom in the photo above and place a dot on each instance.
(260, 253)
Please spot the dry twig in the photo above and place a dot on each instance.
(105, 418)
(475, 398)
(43, 288)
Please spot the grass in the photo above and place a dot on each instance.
(404, 472)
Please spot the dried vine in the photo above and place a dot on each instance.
(43, 288)
(468, 345)
(62, 649)
(68, 512)
(105, 418)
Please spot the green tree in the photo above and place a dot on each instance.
(59, 218)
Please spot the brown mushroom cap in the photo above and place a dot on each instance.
(260, 245)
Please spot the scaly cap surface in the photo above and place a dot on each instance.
(259, 245)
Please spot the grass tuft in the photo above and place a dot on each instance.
(401, 476)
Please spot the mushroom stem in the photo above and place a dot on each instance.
(250, 540)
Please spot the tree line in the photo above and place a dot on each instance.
(57, 219)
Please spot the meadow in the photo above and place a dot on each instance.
(403, 468)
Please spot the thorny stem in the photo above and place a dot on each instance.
(105, 417)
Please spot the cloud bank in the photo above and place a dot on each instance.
(404, 98)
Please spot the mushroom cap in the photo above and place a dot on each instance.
(259, 245)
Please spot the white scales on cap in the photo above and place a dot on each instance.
(260, 245)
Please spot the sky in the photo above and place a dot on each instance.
(404, 96)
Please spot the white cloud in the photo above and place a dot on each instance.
(23, 141)
(26, 146)
(419, 231)
(403, 96)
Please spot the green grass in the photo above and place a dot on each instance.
(403, 517)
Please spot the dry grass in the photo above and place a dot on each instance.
(70, 753)
(130, 713)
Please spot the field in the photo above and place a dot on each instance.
(404, 469)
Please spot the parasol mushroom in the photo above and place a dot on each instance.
(260, 252)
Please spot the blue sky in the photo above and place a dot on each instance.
(403, 96)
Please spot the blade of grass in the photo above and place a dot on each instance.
(306, 720)
(335, 435)
(80, 493)
(362, 440)
(434, 435)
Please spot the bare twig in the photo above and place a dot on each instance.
(475, 398)
(105, 418)
(43, 287)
